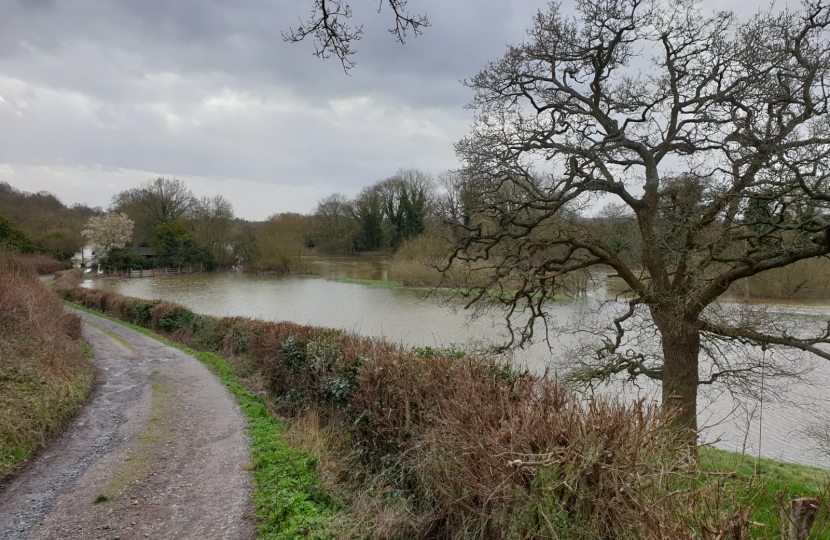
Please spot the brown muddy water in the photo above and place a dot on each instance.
(408, 317)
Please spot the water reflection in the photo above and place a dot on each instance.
(370, 266)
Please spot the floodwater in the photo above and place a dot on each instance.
(777, 424)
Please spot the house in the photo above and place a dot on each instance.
(145, 252)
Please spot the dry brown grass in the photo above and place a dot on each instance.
(311, 433)
(44, 374)
(68, 279)
(805, 280)
(417, 261)
(30, 264)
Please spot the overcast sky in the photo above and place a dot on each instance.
(99, 95)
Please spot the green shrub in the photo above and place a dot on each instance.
(239, 339)
(176, 319)
(143, 313)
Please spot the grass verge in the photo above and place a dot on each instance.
(113, 335)
(767, 484)
(289, 502)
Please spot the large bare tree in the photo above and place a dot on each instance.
(156, 201)
(710, 134)
(211, 220)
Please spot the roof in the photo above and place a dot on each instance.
(144, 251)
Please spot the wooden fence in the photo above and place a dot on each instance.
(152, 272)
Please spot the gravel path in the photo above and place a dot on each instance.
(160, 440)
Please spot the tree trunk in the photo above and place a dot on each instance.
(681, 347)
(801, 518)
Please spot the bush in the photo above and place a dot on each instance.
(126, 259)
(807, 279)
(176, 319)
(67, 279)
(29, 264)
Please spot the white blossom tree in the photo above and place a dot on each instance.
(108, 232)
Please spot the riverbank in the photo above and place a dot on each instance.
(419, 443)
(45, 374)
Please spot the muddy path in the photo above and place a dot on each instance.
(159, 451)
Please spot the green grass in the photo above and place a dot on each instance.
(101, 497)
(289, 502)
(113, 335)
(11, 456)
(775, 479)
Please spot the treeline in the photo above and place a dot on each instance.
(380, 218)
(41, 223)
(412, 214)
(183, 230)
(173, 227)
(179, 228)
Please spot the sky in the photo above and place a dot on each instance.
(97, 96)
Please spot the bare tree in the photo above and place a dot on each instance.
(713, 133)
(212, 222)
(157, 201)
(167, 199)
(335, 228)
(333, 34)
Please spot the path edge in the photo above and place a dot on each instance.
(284, 477)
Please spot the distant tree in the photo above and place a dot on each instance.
(212, 223)
(368, 212)
(167, 199)
(407, 200)
(713, 134)
(108, 232)
(281, 243)
(333, 35)
(335, 228)
(157, 201)
(453, 206)
(170, 235)
(13, 240)
(176, 246)
(244, 245)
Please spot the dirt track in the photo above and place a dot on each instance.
(160, 438)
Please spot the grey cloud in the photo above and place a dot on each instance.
(207, 89)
